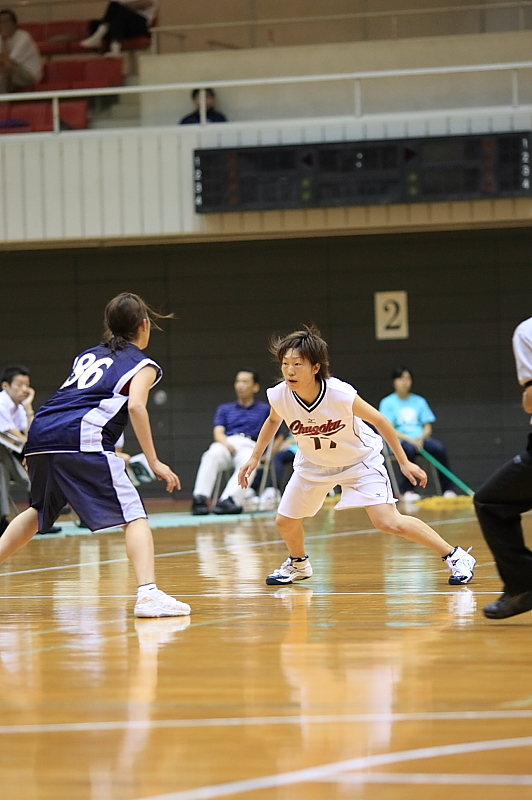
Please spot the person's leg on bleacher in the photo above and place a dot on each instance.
(118, 23)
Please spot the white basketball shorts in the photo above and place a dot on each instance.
(364, 484)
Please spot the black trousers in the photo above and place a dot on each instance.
(499, 503)
(123, 23)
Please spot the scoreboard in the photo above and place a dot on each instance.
(362, 173)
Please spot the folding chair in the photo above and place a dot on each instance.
(391, 462)
(268, 470)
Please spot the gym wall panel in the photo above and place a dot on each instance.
(15, 206)
(32, 186)
(53, 200)
(132, 185)
(139, 183)
(91, 188)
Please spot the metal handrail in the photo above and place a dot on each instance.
(357, 77)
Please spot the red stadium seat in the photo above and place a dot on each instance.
(104, 72)
(65, 72)
(74, 113)
(37, 114)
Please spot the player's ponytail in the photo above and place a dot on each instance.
(308, 343)
(122, 318)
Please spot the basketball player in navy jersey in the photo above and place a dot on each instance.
(335, 446)
(71, 448)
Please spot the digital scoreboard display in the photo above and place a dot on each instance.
(362, 173)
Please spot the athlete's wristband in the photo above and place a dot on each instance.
(528, 383)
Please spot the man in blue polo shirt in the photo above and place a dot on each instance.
(236, 428)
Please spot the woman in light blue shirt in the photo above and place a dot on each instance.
(412, 418)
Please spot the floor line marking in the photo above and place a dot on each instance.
(310, 537)
(315, 774)
(432, 778)
(247, 596)
(236, 722)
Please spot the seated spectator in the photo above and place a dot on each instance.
(20, 60)
(236, 428)
(412, 418)
(123, 19)
(212, 114)
(16, 414)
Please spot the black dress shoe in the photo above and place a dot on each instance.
(227, 506)
(508, 605)
(200, 507)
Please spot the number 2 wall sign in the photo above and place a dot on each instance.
(391, 315)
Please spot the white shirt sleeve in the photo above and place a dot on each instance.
(11, 416)
(522, 347)
(24, 51)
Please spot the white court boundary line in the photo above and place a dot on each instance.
(328, 771)
(432, 778)
(239, 722)
(310, 537)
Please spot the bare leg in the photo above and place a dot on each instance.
(293, 534)
(386, 518)
(139, 548)
(18, 533)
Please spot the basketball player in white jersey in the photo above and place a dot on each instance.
(326, 415)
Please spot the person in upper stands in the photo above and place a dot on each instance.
(20, 60)
(123, 19)
(212, 114)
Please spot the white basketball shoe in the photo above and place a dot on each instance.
(156, 603)
(461, 565)
(292, 570)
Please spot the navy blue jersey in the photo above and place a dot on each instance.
(89, 412)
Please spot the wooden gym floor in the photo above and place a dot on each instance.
(374, 680)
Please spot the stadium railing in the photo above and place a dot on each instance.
(357, 78)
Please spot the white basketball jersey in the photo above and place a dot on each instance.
(327, 432)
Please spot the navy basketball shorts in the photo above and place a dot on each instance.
(95, 485)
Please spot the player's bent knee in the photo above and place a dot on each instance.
(286, 523)
(389, 523)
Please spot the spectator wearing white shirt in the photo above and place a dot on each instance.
(123, 19)
(16, 416)
(20, 60)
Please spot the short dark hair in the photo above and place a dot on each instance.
(10, 373)
(256, 378)
(310, 345)
(9, 13)
(398, 371)
(195, 92)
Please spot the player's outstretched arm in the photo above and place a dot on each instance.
(267, 432)
(370, 414)
(139, 390)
